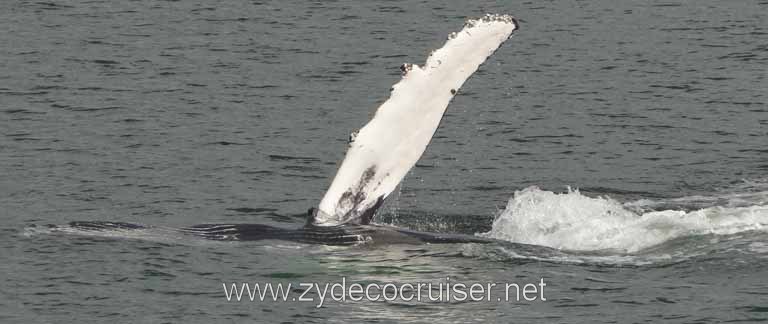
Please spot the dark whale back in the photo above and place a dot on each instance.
(350, 234)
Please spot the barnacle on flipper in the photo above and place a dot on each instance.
(491, 18)
(405, 68)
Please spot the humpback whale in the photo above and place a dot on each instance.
(381, 153)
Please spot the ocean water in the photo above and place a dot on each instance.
(619, 149)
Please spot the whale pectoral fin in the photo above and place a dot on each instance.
(387, 147)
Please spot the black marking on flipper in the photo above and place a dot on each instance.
(367, 215)
(356, 195)
(311, 216)
(353, 197)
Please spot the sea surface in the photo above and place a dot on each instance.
(618, 149)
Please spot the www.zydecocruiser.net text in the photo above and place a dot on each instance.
(342, 291)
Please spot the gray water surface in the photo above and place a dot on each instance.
(185, 112)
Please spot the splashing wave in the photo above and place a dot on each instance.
(572, 221)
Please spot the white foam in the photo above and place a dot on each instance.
(572, 221)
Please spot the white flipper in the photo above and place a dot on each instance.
(383, 151)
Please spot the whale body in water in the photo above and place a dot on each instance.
(381, 153)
